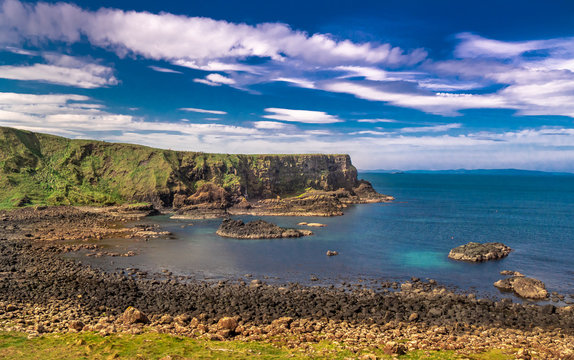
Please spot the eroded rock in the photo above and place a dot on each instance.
(525, 287)
(258, 229)
(477, 252)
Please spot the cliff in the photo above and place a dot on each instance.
(45, 169)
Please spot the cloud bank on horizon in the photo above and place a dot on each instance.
(489, 103)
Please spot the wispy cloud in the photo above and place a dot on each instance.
(62, 70)
(164, 70)
(204, 111)
(271, 125)
(215, 80)
(374, 121)
(433, 128)
(301, 116)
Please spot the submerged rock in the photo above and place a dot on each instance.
(525, 287)
(477, 252)
(258, 229)
(511, 273)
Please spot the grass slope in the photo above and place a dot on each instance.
(157, 346)
(41, 169)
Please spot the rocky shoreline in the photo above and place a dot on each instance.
(40, 291)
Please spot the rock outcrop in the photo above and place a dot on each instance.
(477, 252)
(525, 287)
(258, 229)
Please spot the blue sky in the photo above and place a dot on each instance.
(396, 84)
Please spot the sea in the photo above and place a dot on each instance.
(409, 237)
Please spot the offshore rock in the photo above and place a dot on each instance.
(477, 252)
(258, 229)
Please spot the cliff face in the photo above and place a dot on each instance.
(44, 169)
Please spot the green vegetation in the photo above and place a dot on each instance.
(157, 346)
(40, 169)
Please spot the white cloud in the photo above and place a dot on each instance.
(164, 70)
(218, 78)
(433, 128)
(435, 103)
(172, 37)
(206, 82)
(66, 112)
(62, 70)
(271, 125)
(302, 116)
(204, 111)
(298, 82)
(374, 121)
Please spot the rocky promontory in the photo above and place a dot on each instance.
(196, 185)
(476, 252)
(258, 229)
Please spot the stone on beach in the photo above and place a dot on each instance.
(134, 316)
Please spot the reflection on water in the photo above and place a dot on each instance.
(411, 237)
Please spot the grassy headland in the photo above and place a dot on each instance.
(40, 169)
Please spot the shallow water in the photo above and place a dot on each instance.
(409, 237)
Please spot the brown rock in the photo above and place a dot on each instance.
(282, 322)
(393, 348)
(76, 325)
(133, 316)
(227, 323)
(529, 288)
(524, 287)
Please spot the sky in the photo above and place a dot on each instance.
(411, 84)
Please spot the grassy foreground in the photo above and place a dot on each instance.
(157, 346)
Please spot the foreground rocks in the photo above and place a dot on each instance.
(525, 287)
(477, 252)
(40, 291)
(258, 229)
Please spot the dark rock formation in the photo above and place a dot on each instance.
(257, 229)
(476, 252)
(525, 287)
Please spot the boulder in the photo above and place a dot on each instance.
(525, 287)
(529, 288)
(477, 252)
(76, 325)
(134, 316)
(227, 323)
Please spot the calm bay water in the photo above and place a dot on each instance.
(409, 237)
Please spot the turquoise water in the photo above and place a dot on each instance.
(409, 237)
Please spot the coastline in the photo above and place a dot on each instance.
(37, 280)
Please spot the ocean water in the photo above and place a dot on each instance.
(412, 236)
